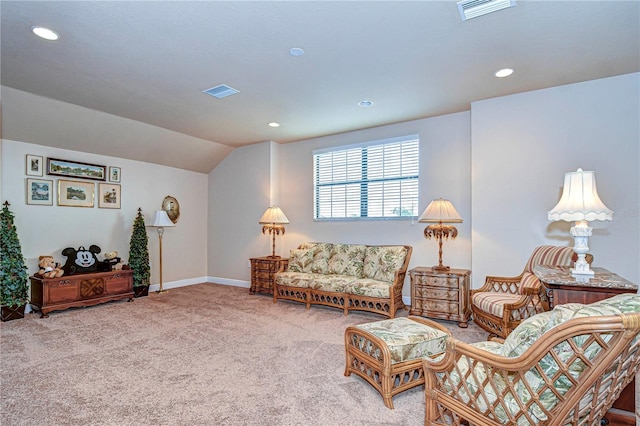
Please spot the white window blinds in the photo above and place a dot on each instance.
(375, 180)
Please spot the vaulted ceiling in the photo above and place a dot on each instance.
(149, 61)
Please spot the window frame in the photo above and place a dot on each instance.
(365, 181)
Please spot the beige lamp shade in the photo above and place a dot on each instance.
(440, 211)
(273, 215)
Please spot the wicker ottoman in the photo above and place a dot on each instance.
(388, 354)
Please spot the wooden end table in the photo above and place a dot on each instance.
(443, 295)
(561, 287)
(263, 273)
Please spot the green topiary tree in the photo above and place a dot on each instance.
(13, 271)
(139, 252)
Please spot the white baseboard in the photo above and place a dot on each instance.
(179, 283)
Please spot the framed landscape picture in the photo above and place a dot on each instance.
(114, 174)
(108, 196)
(34, 165)
(75, 194)
(40, 192)
(76, 169)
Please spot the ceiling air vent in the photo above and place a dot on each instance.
(474, 8)
(221, 91)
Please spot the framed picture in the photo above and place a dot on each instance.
(114, 174)
(39, 192)
(76, 169)
(75, 194)
(34, 165)
(108, 196)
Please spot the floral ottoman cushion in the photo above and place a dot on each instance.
(406, 339)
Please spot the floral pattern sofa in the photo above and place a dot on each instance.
(562, 367)
(345, 276)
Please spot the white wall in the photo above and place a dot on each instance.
(47, 230)
(239, 192)
(241, 180)
(522, 145)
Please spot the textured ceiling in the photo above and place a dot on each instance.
(149, 61)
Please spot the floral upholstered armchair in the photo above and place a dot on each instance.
(562, 367)
(503, 302)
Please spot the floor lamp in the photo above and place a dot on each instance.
(161, 220)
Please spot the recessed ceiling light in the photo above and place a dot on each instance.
(296, 51)
(274, 124)
(505, 72)
(365, 103)
(45, 33)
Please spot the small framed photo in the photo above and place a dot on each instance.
(76, 169)
(34, 165)
(109, 196)
(73, 193)
(39, 192)
(114, 174)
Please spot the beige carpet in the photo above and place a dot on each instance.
(204, 354)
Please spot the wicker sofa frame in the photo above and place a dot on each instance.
(348, 301)
(447, 385)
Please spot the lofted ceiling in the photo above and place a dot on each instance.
(149, 61)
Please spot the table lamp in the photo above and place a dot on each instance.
(440, 212)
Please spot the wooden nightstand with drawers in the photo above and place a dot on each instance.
(263, 273)
(442, 295)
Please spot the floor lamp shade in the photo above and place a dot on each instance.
(273, 221)
(580, 203)
(161, 220)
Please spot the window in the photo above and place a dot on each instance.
(375, 180)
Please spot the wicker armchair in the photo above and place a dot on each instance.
(567, 372)
(503, 302)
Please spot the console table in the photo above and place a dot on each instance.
(561, 287)
(68, 291)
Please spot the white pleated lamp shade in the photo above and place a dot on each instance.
(580, 200)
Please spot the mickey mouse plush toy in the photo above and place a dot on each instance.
(81, 260)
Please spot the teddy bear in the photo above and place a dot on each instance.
(113, 260)
(49, 268)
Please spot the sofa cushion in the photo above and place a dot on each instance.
(295, 279)
(335, 283)
(314, 259)
(407, 339)
(347, 259)
(382, 262)
(368, 287)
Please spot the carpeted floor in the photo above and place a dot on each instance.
(203, 354)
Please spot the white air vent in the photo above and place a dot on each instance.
(221, 91)
(474, 8)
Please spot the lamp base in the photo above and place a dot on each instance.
(440, 268)
(161, 291)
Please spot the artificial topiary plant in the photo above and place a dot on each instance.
(139, 252)
(13, 271)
